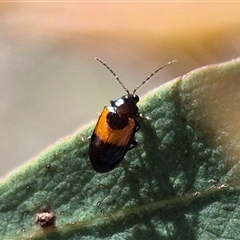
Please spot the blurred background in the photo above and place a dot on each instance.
(50, 84)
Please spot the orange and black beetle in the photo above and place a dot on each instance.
(115, 130)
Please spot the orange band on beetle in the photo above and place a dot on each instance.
(117, 137)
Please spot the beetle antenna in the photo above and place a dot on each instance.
(152, 74)
(113, 73)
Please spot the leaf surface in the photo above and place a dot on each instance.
(181, 182)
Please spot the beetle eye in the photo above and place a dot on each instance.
(136, 98)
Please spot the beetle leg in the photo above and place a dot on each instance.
(137, 128)
(134, 143)
(144, 117)
(84, 139)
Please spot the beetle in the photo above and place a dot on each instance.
(114, 133)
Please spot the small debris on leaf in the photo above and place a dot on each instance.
(46, 218)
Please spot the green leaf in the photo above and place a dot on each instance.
(181, 182)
